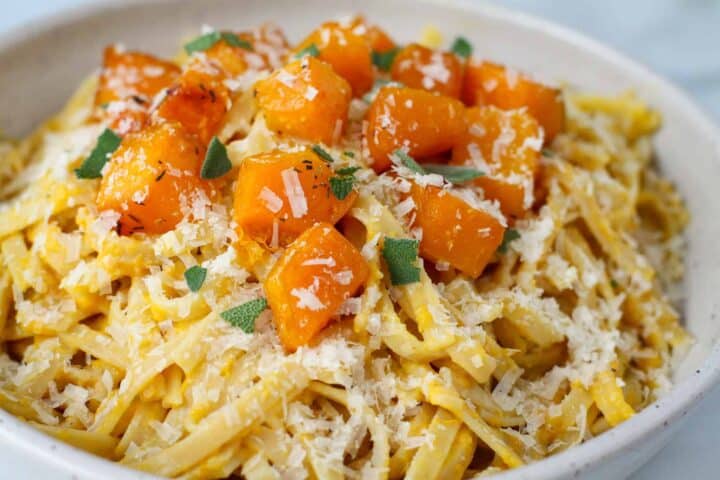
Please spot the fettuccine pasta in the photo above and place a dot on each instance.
(345, 258)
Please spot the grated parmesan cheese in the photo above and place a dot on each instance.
(286, 78)
(272, 202)
(307, 296)
(294, 192)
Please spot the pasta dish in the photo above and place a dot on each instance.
(346, 257)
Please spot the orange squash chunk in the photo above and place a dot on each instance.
(453, 231)
(231, 59)
(416, 66)
(279, 195)
(487, 83)
(152, 178)
(268, 50)
(349, 54)
(305, 99)
(310, 281)
(269, 44)
(378, 39)
(505, 145)
(128, 74)
(423, 123)
(125, 118)
(198, 102)
(126, 87)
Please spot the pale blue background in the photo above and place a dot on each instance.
(679, 39)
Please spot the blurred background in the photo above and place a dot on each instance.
(680, 39)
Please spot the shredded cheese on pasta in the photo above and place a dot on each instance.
(567, 335)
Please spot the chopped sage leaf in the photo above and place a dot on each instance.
(347, 170)
(216, 163)
(409, 162)
(311, 50)
(510, 235)
(341, 186)
(452, 173)
(93, 165)
(235, 41)
(322, 153)
(195, 276)
(244, 315)
(401, 258)
(384, 60)
(203, 42)
(461, 47)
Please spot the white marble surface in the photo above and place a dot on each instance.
(677, 38)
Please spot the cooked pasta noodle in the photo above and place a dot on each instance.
(108, 345)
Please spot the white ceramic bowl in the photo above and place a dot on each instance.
(42, 65)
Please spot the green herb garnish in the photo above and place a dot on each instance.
(195, 276)
(349, 154)
(347, 170)
(546, 152)
(311, 50)
(342, 183)
(384, 60)
(613, 283)
(510, 235)
(322, 153)
(461, 47)
(452, 173)
(235, 41)
(409, 162)
(203, 42)
(244, 315)
(341, 186)
(106, 144)
(401, 256)
(216, 163)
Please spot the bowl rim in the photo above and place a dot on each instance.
(682, 397)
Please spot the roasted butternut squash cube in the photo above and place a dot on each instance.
(267, 50)
(348, 53)
(505, 145)
(125, 117)
(153, 178)
(127, 85)
(128, 74)
(230, 58)
(453, 231)
(422, 123)
(310, 281)
(378, 39)
(269, 43)
(305, 99)
(417, 66)
(487, 83)
(198, 102)
(279, 195)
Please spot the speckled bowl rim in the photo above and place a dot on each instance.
(660, 415)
